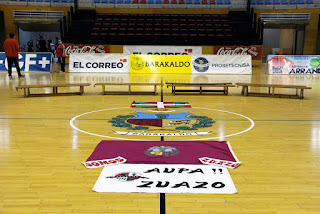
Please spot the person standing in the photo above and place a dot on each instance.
(37, 46)
(43, 45)
(11, 48)
(30, 46)
(60, 52)
(57, 42)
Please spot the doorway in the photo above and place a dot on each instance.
(283, 40)
(34, 30)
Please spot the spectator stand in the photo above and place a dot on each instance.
(192, 4)
(284, 4)
(54, 3)
(165, 29)
(209, 4)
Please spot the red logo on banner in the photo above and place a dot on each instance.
(217, 162)
(104, 162)
(86, 49)
(280, 64)
(255, 52)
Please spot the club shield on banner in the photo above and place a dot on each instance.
(278, 64)
(162, 50)
(226, 64)
(29, 62)
(117, 63)
(160, 64)
(165, 179)
(166, 152)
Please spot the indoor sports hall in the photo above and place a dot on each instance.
(165, 106)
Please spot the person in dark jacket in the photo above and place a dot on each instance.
(30, 46)
(43, 45)
(11, 48)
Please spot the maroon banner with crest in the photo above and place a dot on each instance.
(217, 153)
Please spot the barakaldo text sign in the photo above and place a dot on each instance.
(86, 49)
(255, 52)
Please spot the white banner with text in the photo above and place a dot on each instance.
(162, 50)
(160, 178)
(197, 64)
(118, 63)
(296, 64)
(225, 64)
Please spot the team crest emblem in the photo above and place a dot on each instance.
(161, 119)
(171, 120)
(127, 176)
(201, 64)
(137, 63)
(157, 151)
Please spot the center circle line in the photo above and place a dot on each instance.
(105, 136)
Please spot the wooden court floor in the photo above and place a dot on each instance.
(41, 154)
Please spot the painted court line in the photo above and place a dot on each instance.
(106, 136)
(35, 118)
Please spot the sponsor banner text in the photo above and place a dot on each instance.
(99, 63)
(89, 49)
(29, 62)
(255, 52)
(162, 50)
(227, 64)
(160, 63)
(295, 64)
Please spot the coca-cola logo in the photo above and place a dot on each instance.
(84, 49)
(255, 52)
(237, 51)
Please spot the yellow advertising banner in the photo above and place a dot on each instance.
(160, 64)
